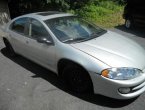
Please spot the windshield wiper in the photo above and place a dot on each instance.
(101, 32)
(97, 34)
(94, 35)
(74, 39)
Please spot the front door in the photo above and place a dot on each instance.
(40, 52)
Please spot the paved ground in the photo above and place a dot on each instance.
(26, 86)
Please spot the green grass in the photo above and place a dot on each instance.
(105, 13)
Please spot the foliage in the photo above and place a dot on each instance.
(102, 12)
(99, 11)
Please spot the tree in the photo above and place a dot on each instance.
(20, 7)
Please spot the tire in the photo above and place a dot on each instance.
(77, 79)
(9, 48)
(129, 23)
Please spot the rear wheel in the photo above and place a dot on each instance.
(77, 79)
(9, 48)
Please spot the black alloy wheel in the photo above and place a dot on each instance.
(77, 79)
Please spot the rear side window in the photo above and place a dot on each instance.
(19, 25)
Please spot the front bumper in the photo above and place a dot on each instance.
(110, 88)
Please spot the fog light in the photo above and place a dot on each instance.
(124, 90)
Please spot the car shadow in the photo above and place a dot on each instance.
(51, 77)
(136, 31)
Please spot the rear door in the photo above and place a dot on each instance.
(17, 35)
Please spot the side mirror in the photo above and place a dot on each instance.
(44, 40)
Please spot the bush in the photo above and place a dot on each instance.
(110, 5)
(92, 12)
(102, 12)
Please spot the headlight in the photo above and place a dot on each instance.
(121, 73)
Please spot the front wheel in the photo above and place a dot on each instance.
(77, 79)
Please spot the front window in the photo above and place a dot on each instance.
(73, 29)
(37, 30)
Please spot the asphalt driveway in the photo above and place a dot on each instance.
(25, 85)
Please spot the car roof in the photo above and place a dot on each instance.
(46, 15)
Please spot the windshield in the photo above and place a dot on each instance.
(73, 29)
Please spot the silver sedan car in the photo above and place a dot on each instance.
(86, 57)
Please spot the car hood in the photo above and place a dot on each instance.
(114, 50)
